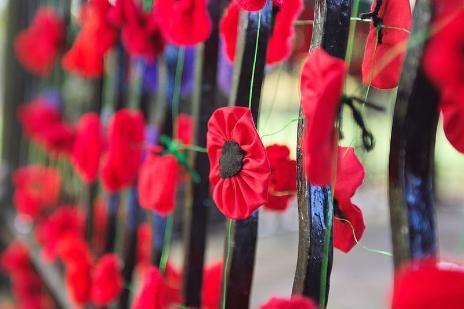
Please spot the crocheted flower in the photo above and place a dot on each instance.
(296, 302)
(211, 289)
(239, 168)
(152, 292)
(125, 140)
(429, 284)
(88, 147)
(321, 89)
(281, 38)
(154, 171)
(106, 280)
(282, 186)
(184, 22)
(384, 54)
(348, 217)
(38, 46)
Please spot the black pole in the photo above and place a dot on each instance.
(412, 150)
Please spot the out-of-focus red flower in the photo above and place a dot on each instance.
(296, 302)
(36, 116)
(239, 168)
(58, 138)
(140, 31)
(429, 284)
(383, 60)
(106, 280)
(251, 5)
(15, 259)
(184, 22)
(73, 250)
(281, 39)
(36, 187)
(96, 37)
(321, 90)
(444, 64)
(153, 291)
(78, 280)
(349, 221)
(125, 140)
(144, 247)
(211, 289)
(184, 129)
(38, 46)
(88, 147)
(173, 282)
(65, 221)
(282, 186)
(99, 224)
(158, 170)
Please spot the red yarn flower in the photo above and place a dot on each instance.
(36, 187)
(296, 302)
(36, 116)
(282, 186)
(184, 22)
(154, 171)
(107, 281)
(211, 290)
(240, 171)
(281, 39)
(96, 37)
(140, 31)
(444, 64)
(321, 89)
(125, 140)
(88, 147)
(38, 46)
(65, 221)
(184, 129)
(429, 284)
(152, 294)
(348, 221)
(383, 60)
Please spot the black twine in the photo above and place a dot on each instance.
(377, 21)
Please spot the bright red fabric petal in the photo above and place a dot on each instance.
(321, 89)
(184, 22)
(152, 293)
(106, 280)
(383, 62)
(296, 302)
(237, 197)
(344, 231)
(350, 173)
(452, 108)
(429, 284)
(211, 289)
(38, 46)
(88, 147)
(158, 182)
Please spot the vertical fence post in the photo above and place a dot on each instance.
(238, 271)
(410, 187)
(315, 205)
(204, 104)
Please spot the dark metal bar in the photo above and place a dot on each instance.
(113, 206)
(412, 154)
(330, 31)
(204, 103)
(239, 265)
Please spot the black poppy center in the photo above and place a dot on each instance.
(230, 163)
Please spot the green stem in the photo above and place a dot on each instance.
(166, 243)
(226, 262)
(254, 61)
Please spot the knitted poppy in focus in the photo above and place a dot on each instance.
(184, 22)
(36, 116)
(36, 188)
(96, 37)
(152, 293)
(348, 217)
(321, 89)
(429, 284)
(184, 129)
(63, 222)
(282, 186)
(296, 302)
(383, 61)
(212, 284)
(140, 30)
(38, 46)
(157, 183)
(106, 280)
(281, 38)
(239, 168)
(125, 140)
(88, 147)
